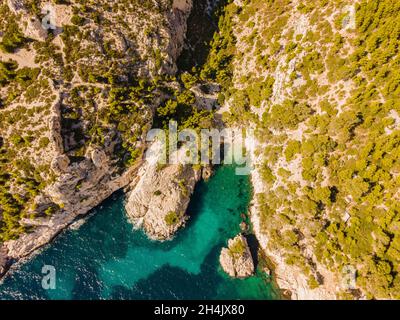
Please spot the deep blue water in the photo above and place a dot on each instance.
(107, 259)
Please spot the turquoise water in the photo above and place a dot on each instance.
(107, 259)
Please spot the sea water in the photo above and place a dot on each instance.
(106, 258)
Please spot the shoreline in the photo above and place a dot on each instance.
(253, 219)
(291, 283)
(284, 277)
(40, 238)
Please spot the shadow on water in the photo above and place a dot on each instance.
(202, 24)
(254, 247)
(173, 283)
(197, 202)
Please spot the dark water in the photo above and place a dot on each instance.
(107, 259)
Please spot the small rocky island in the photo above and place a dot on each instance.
(159, 199)
(236, 260)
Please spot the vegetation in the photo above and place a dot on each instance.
(103, 101)
(12, 38)
(171, 218)
(324, 100)
(329, 132)
(237, 247)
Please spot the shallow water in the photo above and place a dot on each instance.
(107, 259)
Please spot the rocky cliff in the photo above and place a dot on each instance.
(76, 100)
(316, 81)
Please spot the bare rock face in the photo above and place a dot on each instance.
(34, 28)
(236, 260)
(98, 157)
(3, 261)
(160, 197)
(120, 42)
(239, 3)
(60, 164)
(16, 6)
(183, 5)
(82, 187)
(207, 173)
(177, 31)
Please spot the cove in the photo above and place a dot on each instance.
(107, 259)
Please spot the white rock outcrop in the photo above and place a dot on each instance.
(236, 260)
(160, 197)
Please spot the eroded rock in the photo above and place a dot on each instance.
(16, 6)
(35, 30)
(236, 260)
(160, 197)
(81, 184)
(60, 164)
(98, 157)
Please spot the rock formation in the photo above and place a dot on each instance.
(236, 260)
(160, 197)
(81, 174)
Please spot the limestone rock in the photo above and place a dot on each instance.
(159, 200)
(55, 128)
(177, 31)
(98, 157)
(207, 173)
(183, 5)
(239, 3)
(35, 30)
(16, 6)
(120, 42)
(243, 226)
(60, 164)
(267, 271)
(236, 260)
(3, 261)
(84, 183)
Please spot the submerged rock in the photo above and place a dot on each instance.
(236, 260)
